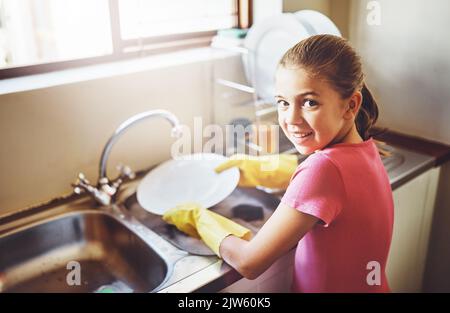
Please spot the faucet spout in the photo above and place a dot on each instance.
(130, 122)
(106, 190)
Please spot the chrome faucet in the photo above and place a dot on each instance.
(106, 190)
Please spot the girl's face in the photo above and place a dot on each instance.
(310, 112)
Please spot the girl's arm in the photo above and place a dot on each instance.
(279, 234)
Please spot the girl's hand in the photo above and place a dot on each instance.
(270, 171)
(209, 226)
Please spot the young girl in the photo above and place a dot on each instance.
(338, 207)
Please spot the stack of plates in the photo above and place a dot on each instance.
(270, 38)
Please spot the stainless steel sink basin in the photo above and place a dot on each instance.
(35, 258)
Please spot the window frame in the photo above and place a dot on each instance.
(155, 45)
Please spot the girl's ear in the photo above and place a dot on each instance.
(353, 106)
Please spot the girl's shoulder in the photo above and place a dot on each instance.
(318, 164)
(346, 149)
(349, 153)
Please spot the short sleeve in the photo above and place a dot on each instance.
(316, 188)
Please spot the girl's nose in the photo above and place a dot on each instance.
(294, 115)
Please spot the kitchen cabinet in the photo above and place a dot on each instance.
(414, 205)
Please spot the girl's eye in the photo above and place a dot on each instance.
(282, 104)
(308, 103)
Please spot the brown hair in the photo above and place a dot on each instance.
(333, 59)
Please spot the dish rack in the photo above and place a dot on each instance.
(263, 108)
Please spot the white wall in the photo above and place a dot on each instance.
(323, 6)
(336, 10)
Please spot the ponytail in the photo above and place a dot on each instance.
(367, 115)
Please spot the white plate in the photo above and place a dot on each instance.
(317, 23)
(191, 179)
(266, 42)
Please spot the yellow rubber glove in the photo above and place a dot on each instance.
(198, 222)
(271, 171)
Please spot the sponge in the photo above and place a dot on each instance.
(248, 212)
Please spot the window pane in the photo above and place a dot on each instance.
(146, 18)
(33, 32)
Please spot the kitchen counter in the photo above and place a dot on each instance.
(438, 151)
(402, 165)
(200, 270)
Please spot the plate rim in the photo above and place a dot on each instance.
(257, 32)
(166, 163)
(301, 15)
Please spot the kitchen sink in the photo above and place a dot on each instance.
(109, 256)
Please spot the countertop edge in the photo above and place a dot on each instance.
(439, 151)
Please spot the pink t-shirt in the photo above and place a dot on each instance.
(346, 186)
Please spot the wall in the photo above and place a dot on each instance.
(337, 10)
(50, 134)
(407, 64)
(323, 6)
(339, 14)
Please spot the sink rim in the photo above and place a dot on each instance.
(125, 220)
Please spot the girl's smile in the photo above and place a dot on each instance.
(299, 136)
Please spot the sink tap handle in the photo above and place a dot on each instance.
(106, 186)
(77, 189)
(125, 172)
(82, 185)
(83, 179)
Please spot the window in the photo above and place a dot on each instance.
(45, 35)
(161, 17)
(50, 30)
